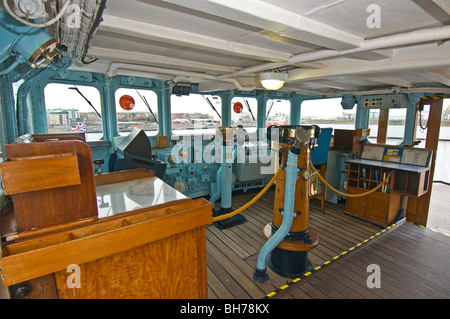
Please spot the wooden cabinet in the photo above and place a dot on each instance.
(380, 207)
(410, 177)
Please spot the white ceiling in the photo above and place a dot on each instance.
(326, 46)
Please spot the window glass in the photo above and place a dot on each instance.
(328, 113)
(396, 126)
(278, 112)
(73, 108)
(195, 114)
(444, 133)
(142, 114)
(244, 112)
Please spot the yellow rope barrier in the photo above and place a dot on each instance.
(274, 178)
(351, 195)
(250, 203)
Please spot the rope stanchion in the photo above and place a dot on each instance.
(254, 200)
(373, 190)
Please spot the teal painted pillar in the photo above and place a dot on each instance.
(262, 112)
(164, 109)
(408, 137)
(362, 116)
(8, 110)
(38, 114)
(109, 114)
(296, 109)
(226, 109)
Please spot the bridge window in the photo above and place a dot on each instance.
(142, 114)
(328, 113)
(73, 108)
(195, 114)
(278, 112)
(395, 126)
(244, 112)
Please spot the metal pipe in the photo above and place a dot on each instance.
(116, 66)
(10, 68)
(25, 88)
(260, 274)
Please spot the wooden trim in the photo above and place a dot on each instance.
(383, 122)
(122, 176)
(33, 263)
(39, 173)
(418, 209)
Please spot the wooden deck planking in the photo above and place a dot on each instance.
(439, 213)
(414, 263)
(233, 252)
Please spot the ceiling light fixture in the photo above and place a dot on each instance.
(272, 80)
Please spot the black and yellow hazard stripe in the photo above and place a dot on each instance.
(328, 262)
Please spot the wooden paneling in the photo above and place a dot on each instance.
(38, 173)
(164, 269)
(383, 126)
(44, 255)
(52, 207)
(418, 207)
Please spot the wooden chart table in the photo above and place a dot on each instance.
(148, 242)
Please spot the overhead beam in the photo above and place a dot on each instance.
(139, 57)
(386, 79)
(159, 33)
(444, 5)
(335, 85)
(270, 17)
(374, 55)
(397, 40)
(441, 76)
(438, 9)
(423, 57)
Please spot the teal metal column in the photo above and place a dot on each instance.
(8, 110)
(362, 116)
(109, 113)
(413, 99)
(164, 109)
(226, 109)
(296, 109)
(262, 111)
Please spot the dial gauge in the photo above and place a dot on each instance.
(180, 186)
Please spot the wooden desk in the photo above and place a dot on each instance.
(155, 248)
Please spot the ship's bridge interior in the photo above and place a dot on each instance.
(96, 89)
